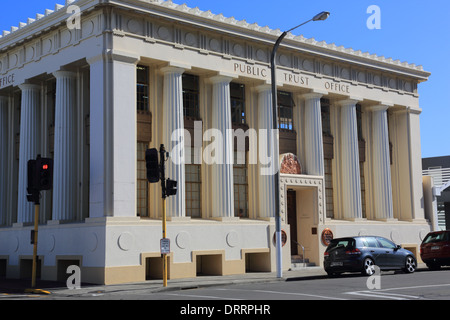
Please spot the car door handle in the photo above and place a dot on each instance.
(372, 251)
(387, 251)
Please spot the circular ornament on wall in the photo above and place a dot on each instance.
(233, 239)
(14, 244)
(125, 241)
(261, 55)
(190, 39)
(163, 33)
(214, 44)
(50, 243)
(345, 73)
(284, 60)
(238, 50)
(133, 26)
(307, 65)
(93, 242)
(183, 240)
(327, 70)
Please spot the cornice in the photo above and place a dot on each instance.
(207, 19)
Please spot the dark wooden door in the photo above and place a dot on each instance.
(292, 219)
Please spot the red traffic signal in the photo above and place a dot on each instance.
(40, 175)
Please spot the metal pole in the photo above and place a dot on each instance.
(35, 240)
(321, 16)
(276, 153)
(162, 152)
(164, 237)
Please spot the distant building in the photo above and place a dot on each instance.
(439, 169)
(95, 98)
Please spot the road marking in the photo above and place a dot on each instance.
(377, 294)
(395, 296)
(286, 293)
(199, 296)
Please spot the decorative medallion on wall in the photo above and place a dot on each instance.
(283, 238)
(290, 164)
(327, 236)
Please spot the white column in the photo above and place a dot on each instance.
(29, 137)
(64, 186)
(351, 183)
(173, 128)
(314, 162)
(266, 185)
(4, 105)
(222, 173)
(381, 164)
(112, 180)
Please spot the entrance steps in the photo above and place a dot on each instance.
(297, 262)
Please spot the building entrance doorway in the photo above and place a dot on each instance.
(292, 219)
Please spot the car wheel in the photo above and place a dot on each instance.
(410, 265)
(368, 267)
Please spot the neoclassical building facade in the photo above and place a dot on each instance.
(135, 72)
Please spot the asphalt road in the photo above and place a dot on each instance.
(390, 286)
(424, 285)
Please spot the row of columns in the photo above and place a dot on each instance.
(222, 174)
(349, 155)
(30, 130)
(173, 120)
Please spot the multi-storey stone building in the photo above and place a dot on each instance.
(94, 98)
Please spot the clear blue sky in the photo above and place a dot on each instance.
(415, 31)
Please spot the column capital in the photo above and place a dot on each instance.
(378, 107)
(29, 86)
(348, 102)
(173, 70)
(312, 95)
(116, 55)
(64, 74)
(263, 88)
(221, 79)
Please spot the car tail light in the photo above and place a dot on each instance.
(326, 254)
(353, 251)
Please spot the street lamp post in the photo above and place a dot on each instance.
(319, 17)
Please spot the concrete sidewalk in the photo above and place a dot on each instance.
(11, 286)
(8, 287)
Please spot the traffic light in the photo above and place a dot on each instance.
(171, 188)
(45, 173)
(40, 176)
(152, 164)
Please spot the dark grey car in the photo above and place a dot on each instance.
(361, 254)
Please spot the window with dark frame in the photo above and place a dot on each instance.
(240, 176)
(142, 85)
(237, 92)
(328, 156)
(285, 111)
(193, 188)
(191, 96)
(142, 206)
(326, 118)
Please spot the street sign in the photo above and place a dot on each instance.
(165, 246)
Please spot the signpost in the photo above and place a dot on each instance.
(155, 172)
(40, 177)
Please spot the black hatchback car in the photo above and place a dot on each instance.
(361, 254)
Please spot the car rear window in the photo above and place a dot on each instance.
(437, 237)
(369, 242)
(338, 243)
